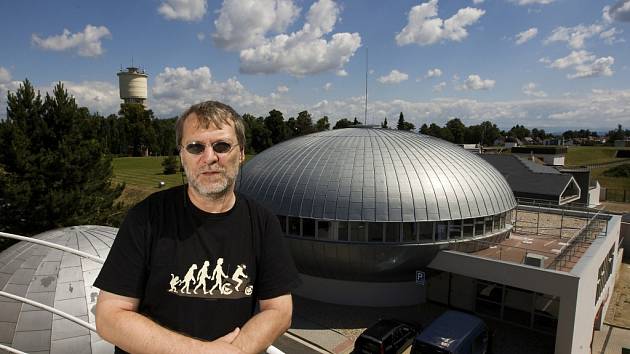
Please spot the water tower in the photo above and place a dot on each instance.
(133, 85)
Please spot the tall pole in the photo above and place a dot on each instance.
(366, 85)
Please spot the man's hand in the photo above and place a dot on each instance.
(270, 323)
(118, 322)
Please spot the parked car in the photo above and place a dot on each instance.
(385, 337)
(453, 332)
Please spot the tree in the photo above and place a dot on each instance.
(53, 168)
(402, 125)
(343, 123)
(458, 130)
(139, 129)
(275, 123)
(424, 129)
(322, 124)
(384, 124)
(356, 121)
(170, 164)
(256, 133)
(304, 124)
(519, 131)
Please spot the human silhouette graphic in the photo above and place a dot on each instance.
(239, 273)
(202, 275)
(217, 276)
(189, 277)
(174, 282)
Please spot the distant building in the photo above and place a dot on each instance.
(551, 155)
(622, 143)
(133, 85)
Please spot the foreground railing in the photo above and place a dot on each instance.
(270, 350)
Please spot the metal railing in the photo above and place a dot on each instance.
(270, 350)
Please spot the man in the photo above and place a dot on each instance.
(142, 309)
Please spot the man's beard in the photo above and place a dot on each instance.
(215, 190)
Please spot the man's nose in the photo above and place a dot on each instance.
(209, 155)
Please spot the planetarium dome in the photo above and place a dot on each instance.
(58, 279)
(375, 205)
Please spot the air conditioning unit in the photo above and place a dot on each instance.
(535, 260)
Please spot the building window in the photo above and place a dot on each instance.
(469, 227)
(409, 232)
(294, 226)
(308, 227)
(441, 229)
(425, 231)
(357, 231)
(283, 223)
(479, 223)
(323, 230)
(392, 232)
(375, 232)
(488, 220)
(342, 230)
(496, 225)
(455, 229)
(502, 220)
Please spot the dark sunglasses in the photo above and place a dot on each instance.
(219, 147)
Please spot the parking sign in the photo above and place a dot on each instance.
(420, 279)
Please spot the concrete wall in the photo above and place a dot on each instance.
(587, 270)
(593, 195)
(357, 293)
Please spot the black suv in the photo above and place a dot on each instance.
(385, 337)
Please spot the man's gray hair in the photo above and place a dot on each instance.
(215, 113)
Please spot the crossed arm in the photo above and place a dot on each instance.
(118, 322)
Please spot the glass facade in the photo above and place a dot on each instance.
(394, 232)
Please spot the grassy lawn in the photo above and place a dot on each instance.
(582, 155)
(610, 182)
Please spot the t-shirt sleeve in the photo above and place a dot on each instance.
(277, 273)
(125, 269)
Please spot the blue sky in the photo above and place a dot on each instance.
(554, 64)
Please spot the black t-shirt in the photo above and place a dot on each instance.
(194, 272)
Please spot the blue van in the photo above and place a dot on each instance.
(453, 332)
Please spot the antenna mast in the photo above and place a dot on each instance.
(366, 85)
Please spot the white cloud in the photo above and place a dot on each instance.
(585, 64)
(328, 86)
(433, 73)
(425, 28)
(599, 67)
(476, 83)
(439, 87)
(98, 96)
(394, 77)
(574, 36)
(526, 35)
(306, 51)
(530, 89)
(185, 10)
(243, 24)
(5, 75)
(533, 2)
(175, 89)
(87, 43)
(282, 89)
(609, 36)
(341, 73)
(201, 36)
(619, 12)
(575, 58)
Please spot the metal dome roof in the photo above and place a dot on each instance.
(56, 278)
(370, 174)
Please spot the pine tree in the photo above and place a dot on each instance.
(53, 171)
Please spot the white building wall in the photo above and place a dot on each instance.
(587, 270)
(593, 195)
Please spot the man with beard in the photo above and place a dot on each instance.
(203, 222)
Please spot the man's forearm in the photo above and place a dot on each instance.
(262, 330)
(136, 333)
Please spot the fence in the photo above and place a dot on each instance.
(614, 195)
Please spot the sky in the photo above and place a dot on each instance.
(551, 64)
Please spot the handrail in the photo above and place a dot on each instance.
(11, 350)
(53, 245)
(50, 309)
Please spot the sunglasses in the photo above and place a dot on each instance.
(219, 147)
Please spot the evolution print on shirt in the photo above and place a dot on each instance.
(214, 285)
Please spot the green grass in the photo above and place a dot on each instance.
(610, 182)
(586, 155)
